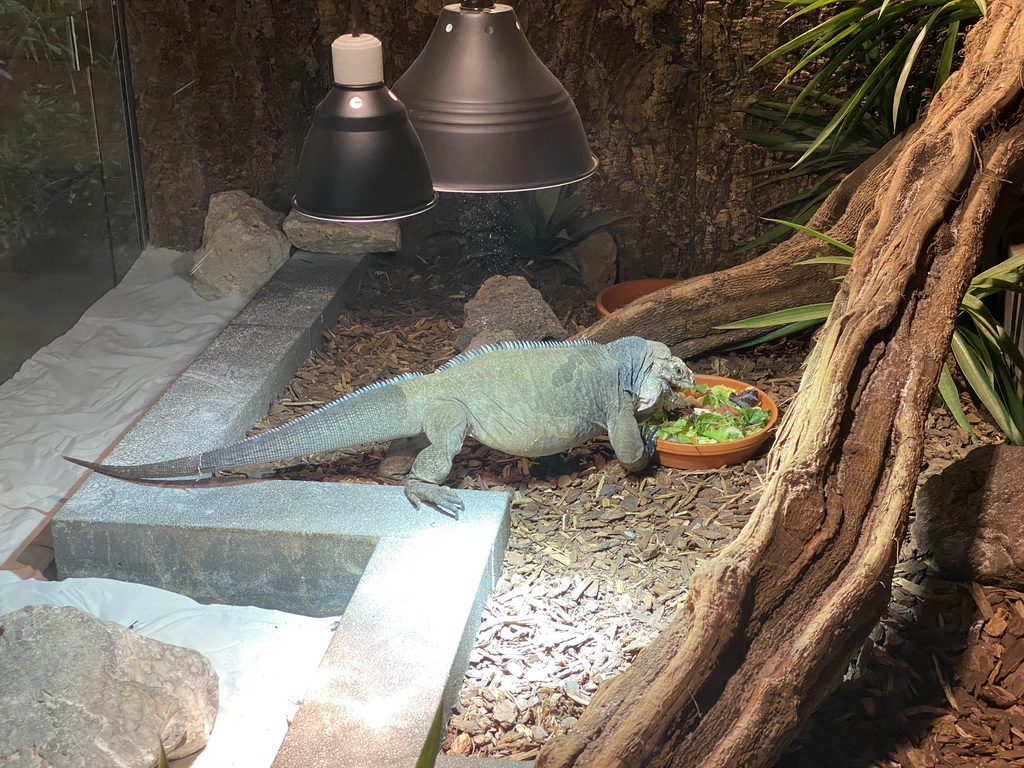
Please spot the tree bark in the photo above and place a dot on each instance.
(770, 624)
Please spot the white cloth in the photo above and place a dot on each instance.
(78, 394)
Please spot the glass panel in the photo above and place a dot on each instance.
(60, 82)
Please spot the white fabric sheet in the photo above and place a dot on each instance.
(78, 394)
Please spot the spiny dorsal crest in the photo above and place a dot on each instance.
(503, 345)
(343, 398)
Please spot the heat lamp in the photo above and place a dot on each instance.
(361, 160)
(491, 117)
(476, 112)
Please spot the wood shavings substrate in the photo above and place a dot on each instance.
(599, 560)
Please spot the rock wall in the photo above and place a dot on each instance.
(226, 89)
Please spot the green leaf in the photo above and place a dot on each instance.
(844, 260)
(951, 398)
(1004, 268)
(980, 379)
(544, 246)
(592, 222)
(992, 330)
(983, 288)
(908, 65)
(778, 333)
(945, 65)
(561, 217)
(809, 312)
(547, 201)
(814, 233)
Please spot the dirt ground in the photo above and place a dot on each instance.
(599, 559)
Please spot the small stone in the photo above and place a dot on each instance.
(346, 238)
(76, 690)
(243, 246)
(509, 306)
(505, 712)
(461, 745)
(597, 259)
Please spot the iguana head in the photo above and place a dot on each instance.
(654, 372)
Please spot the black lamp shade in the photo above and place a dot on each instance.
(362, 160)
(491, 117)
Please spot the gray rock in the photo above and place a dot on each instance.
(597, 259)
(78, 691)
(512, 308)
(484, 338)
(243, 246)
(342, 238)
(970, 517)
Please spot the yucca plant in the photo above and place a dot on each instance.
(796, 129)
(540, 224)
(987, 355)
(865, 74)
(886, 58)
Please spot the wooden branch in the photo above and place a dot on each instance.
(769, 625)
(684, 315)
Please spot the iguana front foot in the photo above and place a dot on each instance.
(442, 499)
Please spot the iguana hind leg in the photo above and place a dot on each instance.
(444, 425)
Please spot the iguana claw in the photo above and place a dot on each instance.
(649, 434)
(444, 500)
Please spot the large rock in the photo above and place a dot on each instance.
(347, 238)
(243, 246)
(597, 259)
(78, 691)
(508, 309)
(970, 517)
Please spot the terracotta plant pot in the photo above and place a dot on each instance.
(619, 295)
(714, 455)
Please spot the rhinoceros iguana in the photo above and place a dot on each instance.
(524, 398)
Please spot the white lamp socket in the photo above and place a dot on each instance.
(357, 60)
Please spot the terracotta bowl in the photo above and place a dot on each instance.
(619, 295)
(714, 455)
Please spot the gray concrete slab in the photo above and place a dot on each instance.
(288, 545)
(309, 291)
(403, 641)
(231, 384)
(455, 761)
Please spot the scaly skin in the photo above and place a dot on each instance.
(527, 399)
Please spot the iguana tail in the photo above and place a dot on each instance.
(186, 466)
(372, 414)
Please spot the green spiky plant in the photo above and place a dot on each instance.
(888, 56)
(541, 224)
(866, 72)
(990, 360)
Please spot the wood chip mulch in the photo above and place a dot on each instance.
(599, 559)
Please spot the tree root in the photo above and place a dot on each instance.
(770, 624)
